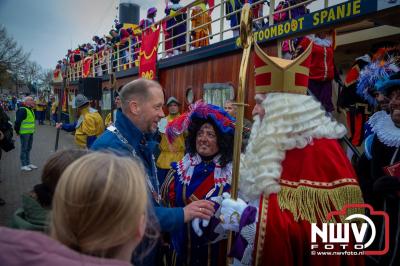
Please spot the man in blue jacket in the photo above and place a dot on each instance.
(142, 101)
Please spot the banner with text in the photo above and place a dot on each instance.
(322, 18)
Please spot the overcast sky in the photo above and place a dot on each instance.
(48, 28)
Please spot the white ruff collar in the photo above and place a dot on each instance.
(185, 169)
(383, 126)
(321, 42)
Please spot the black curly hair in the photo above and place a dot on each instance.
(224, 142)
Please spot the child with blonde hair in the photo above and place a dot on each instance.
(100, 209)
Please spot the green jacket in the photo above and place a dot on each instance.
(32, 216)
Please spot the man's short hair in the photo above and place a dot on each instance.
(27, 98)
(138, 88)
(229, 101)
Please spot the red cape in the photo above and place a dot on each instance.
(314, 180)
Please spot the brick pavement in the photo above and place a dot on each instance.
(14, 182)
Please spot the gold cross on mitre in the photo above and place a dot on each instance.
(274, 74)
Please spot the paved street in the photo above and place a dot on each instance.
(14, 182)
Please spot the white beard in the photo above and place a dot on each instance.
(291, 121)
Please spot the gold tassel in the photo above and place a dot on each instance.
(313, 204)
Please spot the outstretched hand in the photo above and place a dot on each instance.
(202, 209)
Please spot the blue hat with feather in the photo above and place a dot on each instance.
(201, 111)
(373, 75)
(387, 85)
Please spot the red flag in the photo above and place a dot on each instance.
(56, 73)
(148, 53)
(87, 63)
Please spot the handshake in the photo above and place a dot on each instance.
(229, 213)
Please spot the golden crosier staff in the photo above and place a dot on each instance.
(113, 86)
(246, 39)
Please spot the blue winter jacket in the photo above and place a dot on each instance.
(170, 219)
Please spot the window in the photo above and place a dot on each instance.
(106, 100)
(189, 95)
(218, 93)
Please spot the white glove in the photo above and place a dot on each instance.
(196, 225)
(231, 211)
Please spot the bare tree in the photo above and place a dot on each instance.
(31, 74)
(12, 57)
(46, 79)
(15, 66)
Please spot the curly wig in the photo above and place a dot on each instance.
(224, 141)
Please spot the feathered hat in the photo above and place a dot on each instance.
(274, 74)
(370, 75)
(200, 110)
(386, 86)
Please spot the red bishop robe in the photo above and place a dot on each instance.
(315, 180)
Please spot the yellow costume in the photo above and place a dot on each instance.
(199, 21)
(170, 152)
(40, 105)
(89, 124)
(108, 121)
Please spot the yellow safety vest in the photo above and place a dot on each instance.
(28, 124)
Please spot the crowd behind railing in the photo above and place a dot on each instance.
(184, 28)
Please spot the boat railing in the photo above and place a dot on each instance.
(113, 59)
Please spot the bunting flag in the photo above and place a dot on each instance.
(148, 53)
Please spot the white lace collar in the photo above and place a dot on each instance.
(185, 169)
(383, 126)
(321, 42)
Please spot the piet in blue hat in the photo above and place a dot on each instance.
(386, 86)
(200, 112)
(373, 74)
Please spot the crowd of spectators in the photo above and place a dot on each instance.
(114, 46)
(115, 43)
(8, 102)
